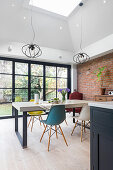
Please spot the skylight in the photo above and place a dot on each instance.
(61, 7)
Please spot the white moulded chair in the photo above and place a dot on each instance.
(84, 116)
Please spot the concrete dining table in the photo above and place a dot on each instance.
(25, 107)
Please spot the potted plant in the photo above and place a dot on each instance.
(100, 77)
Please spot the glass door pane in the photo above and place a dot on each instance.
(5, 95)
(21, 95)
(6, 66)
(36, 70)
(5, 109)
(36, 82)
(21, 81)
(21, 68)
(5, 88)
(62, 72)
(50, 83)
(5, 81)
(61, 83)
(50, 94)
(50, 71)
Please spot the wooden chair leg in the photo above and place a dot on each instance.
(49, 138)
(84, 127)
(81, 130)
(74, 128)
(43, 133)
(56, 131)
(32, 124)
(29, 121)
(42, 119)
(63, 135)
(66, 122)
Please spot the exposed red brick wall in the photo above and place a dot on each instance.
(87, 81)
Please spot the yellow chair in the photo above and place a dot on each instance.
(33, 116)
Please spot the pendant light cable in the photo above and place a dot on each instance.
(32, 50)
(81, 34)
(32, 22)
(81, 57)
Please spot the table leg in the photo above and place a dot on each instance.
(23, 140)
(16, 119)
(24, 129)
(73, 115)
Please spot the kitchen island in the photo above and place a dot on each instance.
(101, 136)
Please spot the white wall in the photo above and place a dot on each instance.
(48, 54)
(101, 47)
(73, 77)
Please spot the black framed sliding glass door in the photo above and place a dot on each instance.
(21, 79)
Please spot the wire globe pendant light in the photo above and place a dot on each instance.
(32, 50)
(81, 57)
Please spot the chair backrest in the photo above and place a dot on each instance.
(85, 113)
(76, 95)
(56, 115)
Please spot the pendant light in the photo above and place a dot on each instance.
(32, 50)
(81, 57)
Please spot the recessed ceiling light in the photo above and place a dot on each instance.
(61, 7)
(77, 25)
(9, 48)
(24, 18)
(104, 1)
(60, 57)
(61, 27)
(13, 5)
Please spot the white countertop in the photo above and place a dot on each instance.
(106, 105)
(30, 106)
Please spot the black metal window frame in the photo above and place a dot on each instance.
(29, 62)
(56, 78)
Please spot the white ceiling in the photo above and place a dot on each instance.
(97, 22)
(14, 28)
(53, 31)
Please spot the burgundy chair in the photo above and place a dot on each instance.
(78, 96)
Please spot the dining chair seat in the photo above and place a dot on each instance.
(34, 116)
(36, 113)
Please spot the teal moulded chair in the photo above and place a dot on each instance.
(55, 117)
